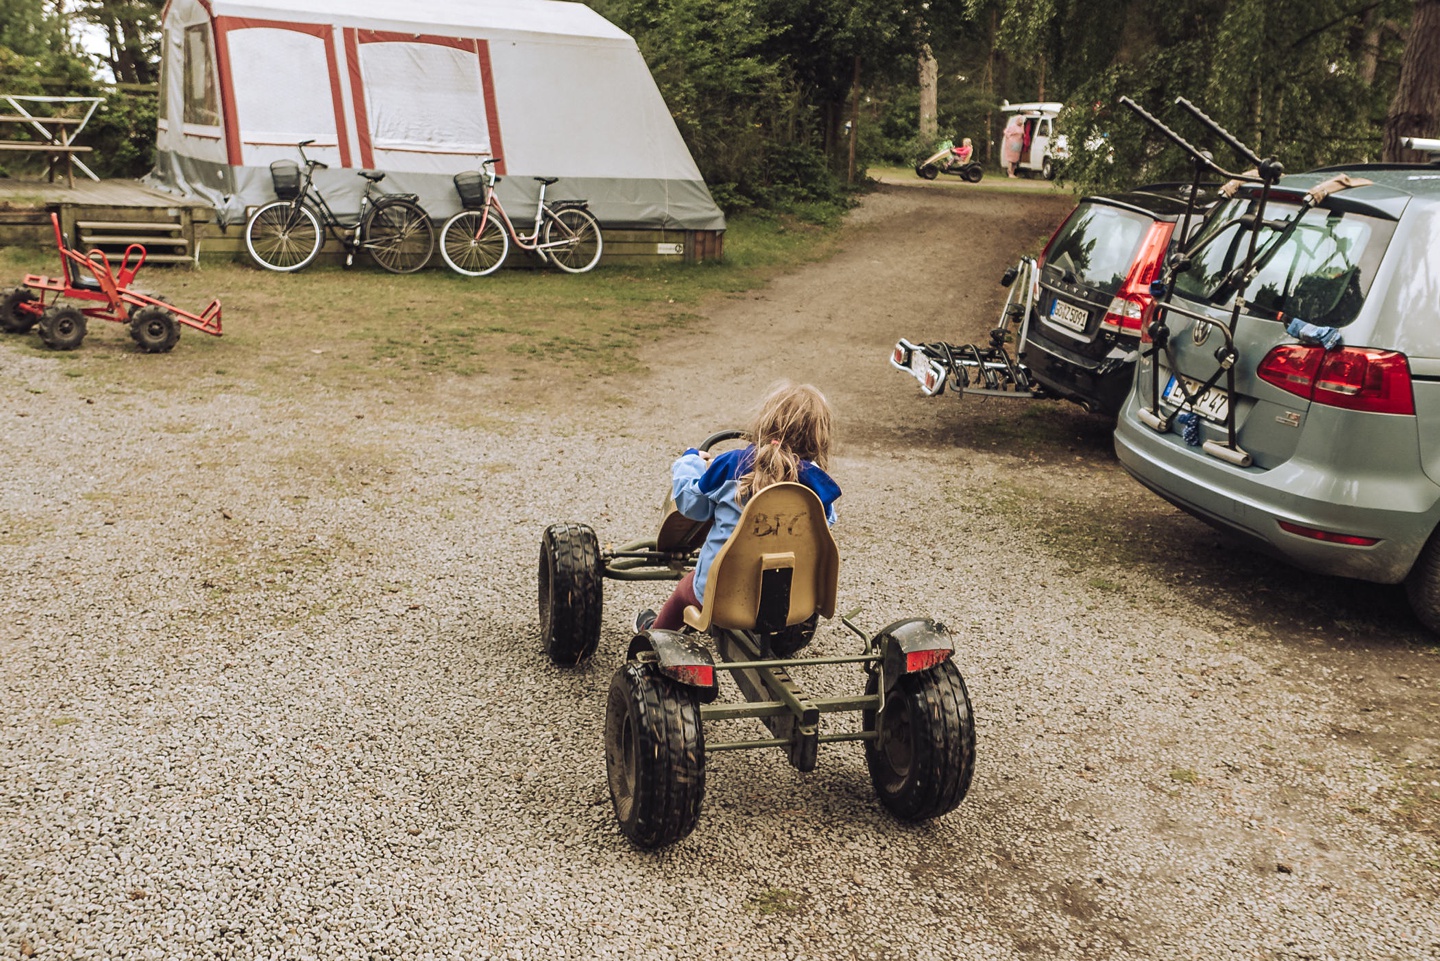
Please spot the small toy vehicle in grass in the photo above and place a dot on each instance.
(768, 586)
(154, 323)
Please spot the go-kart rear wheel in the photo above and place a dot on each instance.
(62, 328)
(974, 173)
(15, 318)
(154, 329)
(922, 761)
(572, 592)
(654, 755)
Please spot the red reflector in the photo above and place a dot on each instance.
(1328, 536)
(696, 675)
(921, 660)
(897, 356)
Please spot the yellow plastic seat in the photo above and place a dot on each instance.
(778, 568)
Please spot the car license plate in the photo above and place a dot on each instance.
(1214, 404)
(1068, 315)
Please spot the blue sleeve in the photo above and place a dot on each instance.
(685, 476)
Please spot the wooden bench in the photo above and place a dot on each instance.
(52, 135)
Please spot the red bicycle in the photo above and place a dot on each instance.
(154, 323)
(475, 241)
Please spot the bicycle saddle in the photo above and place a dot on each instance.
(374, 176)
(547, 181)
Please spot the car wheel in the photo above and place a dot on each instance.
(1047, 169)
(654, 755)
(1422, 586)
(923, 755)
(571, 592)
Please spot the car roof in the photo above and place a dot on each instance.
(1163, 201)
(1392, 188)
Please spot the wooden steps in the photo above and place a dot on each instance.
(165, 241)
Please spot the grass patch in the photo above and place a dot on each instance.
(777, 901)
(1182, 775)
(361, 328)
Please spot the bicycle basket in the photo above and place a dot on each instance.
(285, 174)
(470, 185)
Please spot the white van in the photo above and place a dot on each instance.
(1044, 149)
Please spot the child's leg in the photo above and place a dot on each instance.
(672, 612)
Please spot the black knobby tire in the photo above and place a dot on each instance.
(580, 233)
(62, 328)
(398, 236)
(1422, 585)
(922, 762)
(154, 329)
(14, 320)
(928, 171)
(572, 592)
(283, 236)
(974, 173)
(654, 755)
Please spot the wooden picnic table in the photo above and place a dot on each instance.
(52, 136)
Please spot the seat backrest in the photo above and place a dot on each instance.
(778, 568)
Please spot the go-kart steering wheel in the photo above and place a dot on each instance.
(719, 437)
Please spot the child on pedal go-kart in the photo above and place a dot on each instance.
(790, 442)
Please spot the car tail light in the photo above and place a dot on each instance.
(1126, 313)
(924, 660)
(1329, 536)
(1355, 378)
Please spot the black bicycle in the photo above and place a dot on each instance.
(286, 235)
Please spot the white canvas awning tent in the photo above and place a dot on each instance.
(421, 90)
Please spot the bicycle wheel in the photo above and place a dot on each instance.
(581, 239)
(471, 248)
(398, 236)
(283, 236)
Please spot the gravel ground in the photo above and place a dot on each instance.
(273, 687)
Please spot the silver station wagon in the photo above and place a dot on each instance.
(1317, 435)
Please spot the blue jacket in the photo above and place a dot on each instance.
(705, 492)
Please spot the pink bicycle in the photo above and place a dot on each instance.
(475, 241)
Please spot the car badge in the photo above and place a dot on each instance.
(1200, 332)
(1289, 419)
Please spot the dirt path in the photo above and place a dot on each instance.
(274, 689)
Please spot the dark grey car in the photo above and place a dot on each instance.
(1335, 461)
(1095, 277)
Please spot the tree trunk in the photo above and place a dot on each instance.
(854, 123)
(1415, 111)
(929, 89)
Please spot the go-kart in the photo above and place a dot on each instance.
(950, 159)
(767, 588)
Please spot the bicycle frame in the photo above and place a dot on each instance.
(492, 202)
(329, 219)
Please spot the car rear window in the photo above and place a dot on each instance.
(1097, 245)
(1318, 269)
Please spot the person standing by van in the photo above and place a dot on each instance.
(1012, 143)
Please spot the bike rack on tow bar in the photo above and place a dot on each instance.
(990, 370)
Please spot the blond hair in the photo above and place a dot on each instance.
(793, 424)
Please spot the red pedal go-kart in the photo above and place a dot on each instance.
(767, 587)
(154, 323)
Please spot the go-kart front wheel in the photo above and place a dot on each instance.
(927, 171)
(572, 592)
(654, 755)
(923, 758)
